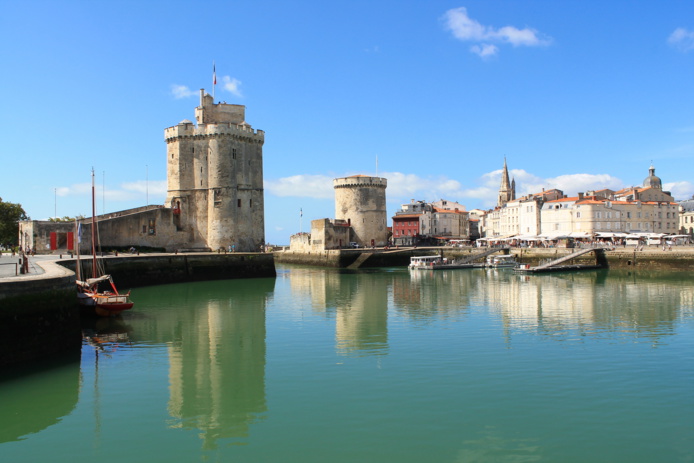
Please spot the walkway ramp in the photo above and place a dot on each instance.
(599, 258)
(360, 260)
(481, 255)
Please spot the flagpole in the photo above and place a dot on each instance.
(214, 80)
(301, 220)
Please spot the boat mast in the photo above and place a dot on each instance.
(94, 275)
(76, 240)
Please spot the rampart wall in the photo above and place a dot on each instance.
(38, 316)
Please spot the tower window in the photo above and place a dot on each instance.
(233, 153)
(250, 202)
(238, 203)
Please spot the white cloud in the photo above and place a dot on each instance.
(181, 91)
(485, 50)
(680, 190)
(467, 29)
(153, 187)
(682, 39)
(74, 190)
(232, 86)
(308, 186)
(412, 186)
(403, 187)
(573, 183)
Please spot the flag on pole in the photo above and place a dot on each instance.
(214, 74)
(301, 212)
(79, 232)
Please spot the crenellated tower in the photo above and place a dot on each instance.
(361, 201)
(215, 178)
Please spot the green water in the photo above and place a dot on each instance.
(374, 366)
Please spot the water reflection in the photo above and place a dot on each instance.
(216, 350)
(357, 300)
(595, 303)
(583, 303)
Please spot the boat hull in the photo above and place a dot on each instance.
(103, 305)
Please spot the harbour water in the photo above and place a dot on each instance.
(384, 365)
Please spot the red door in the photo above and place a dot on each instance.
(54, 241)
(70, 241)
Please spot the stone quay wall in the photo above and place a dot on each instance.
(39, 317)
(154, 269)
(679, 259)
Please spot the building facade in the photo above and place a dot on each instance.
(591, 215)
(686, 218)
(421, 221)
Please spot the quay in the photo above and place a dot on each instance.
(681, 258)
(556, 265)
(39, 316)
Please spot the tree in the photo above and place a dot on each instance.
(10, 215)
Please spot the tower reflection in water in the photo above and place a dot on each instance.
(358, 301)
(216, 349)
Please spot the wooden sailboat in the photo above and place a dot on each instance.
(106, 303)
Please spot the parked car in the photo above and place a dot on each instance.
(354, 244)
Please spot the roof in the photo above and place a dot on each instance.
(447, 211)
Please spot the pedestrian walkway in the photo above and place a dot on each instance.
(10, 266)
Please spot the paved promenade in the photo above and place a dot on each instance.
(10, 267)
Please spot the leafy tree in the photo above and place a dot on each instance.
(10, 215)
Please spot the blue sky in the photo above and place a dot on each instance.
(576, 95)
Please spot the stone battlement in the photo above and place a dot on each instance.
(188, 129)
(360, 181)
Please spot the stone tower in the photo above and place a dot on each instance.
(361, 201)
(215, 178)
(507, 190)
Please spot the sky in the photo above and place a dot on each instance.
(432, 95)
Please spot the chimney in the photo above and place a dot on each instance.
(580, 196)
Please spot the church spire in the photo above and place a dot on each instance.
(507, 190)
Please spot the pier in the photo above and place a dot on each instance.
(556, 264)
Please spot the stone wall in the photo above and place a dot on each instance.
(39, 317)
(652, 259)
(144, 270)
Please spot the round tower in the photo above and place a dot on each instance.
(361, 201)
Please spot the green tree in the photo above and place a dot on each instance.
(10, 215)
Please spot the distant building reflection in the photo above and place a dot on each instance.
(590, 303)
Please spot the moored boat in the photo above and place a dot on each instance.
(502, 261)
(437, 263)
(92, 301)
